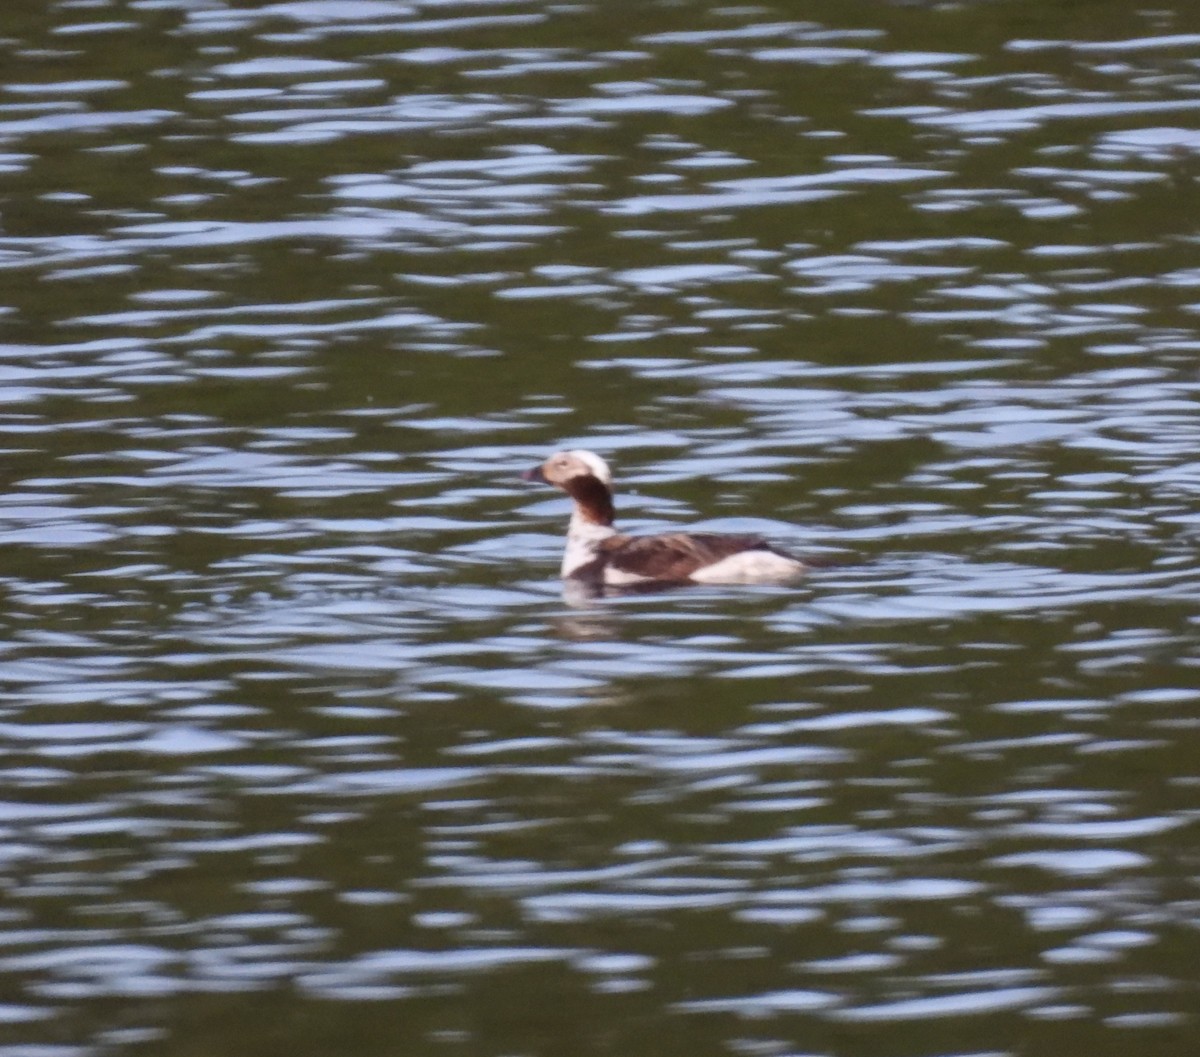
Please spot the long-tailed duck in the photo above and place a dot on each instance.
(598, 554)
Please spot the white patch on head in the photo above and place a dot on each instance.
(596, 465)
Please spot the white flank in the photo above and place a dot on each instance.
(750, 567)
(619, 577)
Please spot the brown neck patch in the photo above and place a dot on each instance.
(592, 497)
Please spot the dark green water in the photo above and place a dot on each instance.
(303, 751)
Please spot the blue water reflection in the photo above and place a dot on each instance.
(303, 745)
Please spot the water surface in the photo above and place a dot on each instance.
(303, 749)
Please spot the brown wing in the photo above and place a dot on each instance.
(674, 555)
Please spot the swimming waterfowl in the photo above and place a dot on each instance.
(598, 554)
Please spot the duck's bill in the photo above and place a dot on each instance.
(534, 474)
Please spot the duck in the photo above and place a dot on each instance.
(597, 554)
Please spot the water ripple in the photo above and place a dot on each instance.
(292, 701)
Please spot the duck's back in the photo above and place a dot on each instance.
(698, 557)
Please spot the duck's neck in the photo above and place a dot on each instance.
(593, 501)
(591, 521)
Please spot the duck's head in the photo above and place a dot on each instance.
(586, 478)
(565, 468)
